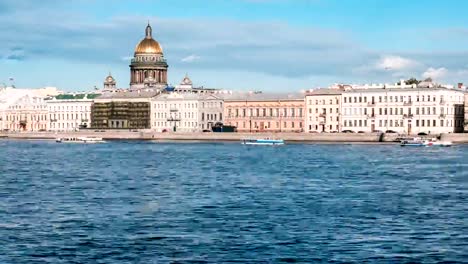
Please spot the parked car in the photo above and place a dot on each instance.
(390, 132)
(377, 131)
(206, 130)
(361, 132)
(348, 131)
(313, 131)
(422, 134)
(164, 130)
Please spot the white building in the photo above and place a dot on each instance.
(25, 109)
(403, 110)
(211, 107)
(323, 110)
(185, 112)
(69, 112)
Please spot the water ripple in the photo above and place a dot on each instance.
(146, 202)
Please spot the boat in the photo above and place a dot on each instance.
(437, 143)
(263, 141)
(420, 142)
(79, 140)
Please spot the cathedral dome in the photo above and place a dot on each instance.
(148, 45)
(110, 79)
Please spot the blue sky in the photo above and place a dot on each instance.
(268, 45)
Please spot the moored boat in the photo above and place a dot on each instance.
(420, 142)
(263, 141)
(79, 140)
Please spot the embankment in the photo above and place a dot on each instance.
(148, 135)
(291, 137)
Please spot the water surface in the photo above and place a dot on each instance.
(146, 202)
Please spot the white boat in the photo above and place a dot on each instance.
(437, 143)
(79, 140)
(420, 142)
(263, 141)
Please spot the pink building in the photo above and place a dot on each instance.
(259, 112)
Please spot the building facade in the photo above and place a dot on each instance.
(323, 110)
(25, 109)
(211, 108)
(186, 112)
(148, 68)
(258, 112)
(175, 112)
(122, 110)
(403, 110)
(70, 112)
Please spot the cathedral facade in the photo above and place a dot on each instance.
(148, 68)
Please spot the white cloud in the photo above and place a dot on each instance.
(434, 73)
(190, 58)
(396, 63)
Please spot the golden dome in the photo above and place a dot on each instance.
(148, 44)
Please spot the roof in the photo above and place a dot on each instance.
(262, 96)
(126, 94)
(185, 96)
(325, 91)
(370, 90)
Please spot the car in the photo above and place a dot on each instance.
(422, 134)
(377, 131)
(164, 130)
(390, 132)
(361, 132)
(206, 130)
(313, 131)
(348, 131)
(334, 132)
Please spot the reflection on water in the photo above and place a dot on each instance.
(146, 202)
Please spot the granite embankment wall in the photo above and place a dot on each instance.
(291, 137)
(455, 138)
(147, 135)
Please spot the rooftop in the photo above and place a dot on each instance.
(260, 96)
(325, 91)
(129, 94)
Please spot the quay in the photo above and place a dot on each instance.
(213, 137)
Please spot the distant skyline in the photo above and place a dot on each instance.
(269, 45)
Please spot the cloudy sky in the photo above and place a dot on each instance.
(268, 45)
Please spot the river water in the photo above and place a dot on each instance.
(147, 202)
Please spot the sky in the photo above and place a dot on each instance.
(268, 45)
